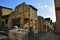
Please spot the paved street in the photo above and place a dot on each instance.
(46, 36)
(3, 37)
(49, 36)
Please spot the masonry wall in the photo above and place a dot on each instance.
(57, 7)
(40, 24)
(23, 12)
(5, 11)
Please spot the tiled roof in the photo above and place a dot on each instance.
(27, 5)
(5, 7)
(32, 7)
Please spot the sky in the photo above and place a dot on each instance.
(46, 8)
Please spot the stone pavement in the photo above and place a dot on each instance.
(45, 36)
(3, 37)
(49, 36)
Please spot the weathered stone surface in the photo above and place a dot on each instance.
(57, 6)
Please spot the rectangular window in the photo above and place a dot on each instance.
(25, 20)
(6, 21)
(16, 22)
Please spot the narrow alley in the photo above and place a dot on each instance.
(49, 36)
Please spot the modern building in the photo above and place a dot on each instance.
(57, 9)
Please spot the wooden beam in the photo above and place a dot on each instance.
(57, 8)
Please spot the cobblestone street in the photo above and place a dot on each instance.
(49, 36)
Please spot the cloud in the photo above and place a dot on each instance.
(45, 6)
(40, 6)
(48, 11)
(51, 13)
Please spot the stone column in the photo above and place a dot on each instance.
(21, 23)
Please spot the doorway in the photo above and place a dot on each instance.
(16, 22)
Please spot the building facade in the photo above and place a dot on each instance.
(4, 13)
(57, 8)
(48, 24)
(24, 16)
(40, 24)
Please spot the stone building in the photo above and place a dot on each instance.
(57, 8)
(24, 16)
(4, 13)
(48, 24)
(40, 24)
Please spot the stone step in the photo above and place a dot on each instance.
(3, 36)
